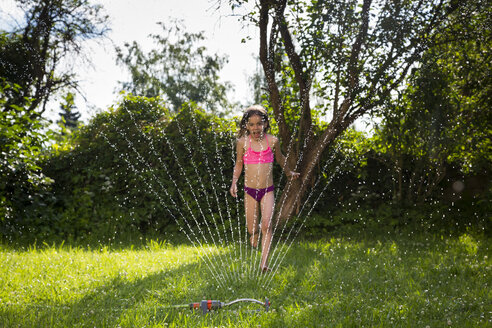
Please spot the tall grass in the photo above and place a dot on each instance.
(391, 281)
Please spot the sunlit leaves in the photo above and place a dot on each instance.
(178, 69)
(35, 54)
(22, 140)
(439, 124)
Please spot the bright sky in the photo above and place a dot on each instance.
(134, 20)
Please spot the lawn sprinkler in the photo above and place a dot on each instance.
(208, 305)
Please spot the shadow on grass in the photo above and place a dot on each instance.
(388, 280)
(399, 280)
(149, 300)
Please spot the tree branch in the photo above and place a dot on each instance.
(294, 58)
(305, 124)
(267, 61)
(353, 66)
(416, 43)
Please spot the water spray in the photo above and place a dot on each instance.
(208, 305)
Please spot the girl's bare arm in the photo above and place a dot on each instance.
(238, 167)
(280, 158)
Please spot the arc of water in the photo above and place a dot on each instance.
(209, 267)
(247, 246)
(257, 218)
(254, 253)
(267, 281)
(187, 180)
(283, 203)
(238, 213)
(287, 190)
(277, 266)
(204, 192)
(312, 190)
(142, 160)
(212, 181)
(226, 192)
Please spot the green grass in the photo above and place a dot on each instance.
(391, 281)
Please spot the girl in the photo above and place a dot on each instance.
(255, 148)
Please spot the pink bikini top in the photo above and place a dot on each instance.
(258, 157)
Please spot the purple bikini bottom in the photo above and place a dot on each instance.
(258, 194)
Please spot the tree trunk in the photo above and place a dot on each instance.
(361, 90)
(295, 190)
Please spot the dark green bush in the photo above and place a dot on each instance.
(360, 184)
(138, 169)
(22, 181)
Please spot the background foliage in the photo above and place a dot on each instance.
(177, 69)
(146, 163)
(38, 54)
(124, 172)
(138, 169)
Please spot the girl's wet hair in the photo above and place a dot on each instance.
(252, 111)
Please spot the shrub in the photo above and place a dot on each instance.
(136, 167)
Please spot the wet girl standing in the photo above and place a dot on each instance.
(255, 149)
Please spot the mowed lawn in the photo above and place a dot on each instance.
(389, 281)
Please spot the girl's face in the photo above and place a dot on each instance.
(255, 126)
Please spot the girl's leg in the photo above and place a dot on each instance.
(267, 207)
(251, 207)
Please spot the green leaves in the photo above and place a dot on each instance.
(178, 69)
(34, 53)
(132, 168)
(22, 140)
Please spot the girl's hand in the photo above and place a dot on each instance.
(294, 175)
(233, 190)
